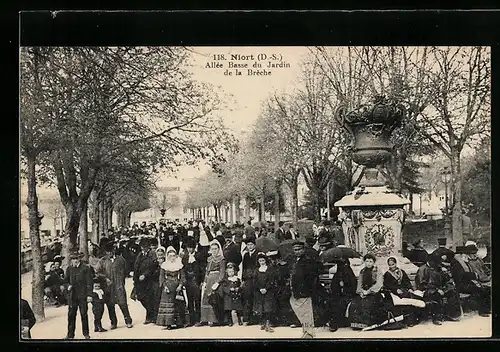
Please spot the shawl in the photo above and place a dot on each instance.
(397, 273)
(263, 269)
(203, 239)
(233, 278)
(219, 256)
(99, 293)
(174, 265)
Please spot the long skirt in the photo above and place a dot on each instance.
(364, 312)
(171, 310)
(207, 311)
(303, 308)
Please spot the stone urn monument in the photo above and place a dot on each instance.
(372, 214)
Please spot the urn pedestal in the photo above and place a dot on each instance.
(372, 220)
(372, 214)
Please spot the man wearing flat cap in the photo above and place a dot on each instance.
(304, 278)
(419, 255)
(78, 278)
(145, 269)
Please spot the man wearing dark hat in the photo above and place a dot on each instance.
(114, 268)
(304, 278)
(474, 282)
(324, 244)
(145, 269)
(279, 235)
(230, 250)
(194, 278)
(442, 250)
(309, 248)
(78, 277)
(248, 275)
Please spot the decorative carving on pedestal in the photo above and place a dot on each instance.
(379, 239)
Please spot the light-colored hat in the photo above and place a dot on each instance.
(470, 243)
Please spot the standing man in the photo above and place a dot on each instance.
(291, 234)
(145, 270)
(78, 277)
(249, 265)
(114, 268)
(249, 229)
(279, 235)
(230, 250)
(304, 278)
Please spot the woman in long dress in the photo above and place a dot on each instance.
(342, 289)
(171, 311)
(397, 282)
(366, 308)
(215, 273)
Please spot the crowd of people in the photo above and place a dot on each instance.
(219, 275)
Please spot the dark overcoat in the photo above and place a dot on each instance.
(147, 265)
(116, 271)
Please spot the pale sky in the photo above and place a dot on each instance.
(247, 92)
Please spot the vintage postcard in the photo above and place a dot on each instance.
(255, 192)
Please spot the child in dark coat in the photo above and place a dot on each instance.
(265, 291)
(98, 302)
(231, 287)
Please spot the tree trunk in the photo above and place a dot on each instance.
(231, 211)
(237, 204)
(110, 212)
(102, 224)
(129, 217)
(411, 201)
(247, 208)
(262, 213)
(216, 213)
(37, 283)
(277, 205)
(457, 230)
(71, 231)
(105, 215)
(83, 232)
(94, 213)
(295, 200)
(317, 205)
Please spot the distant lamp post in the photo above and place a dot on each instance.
(446, 176)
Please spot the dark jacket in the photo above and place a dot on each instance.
(116, 271)
(193, 271)
(147, 265)
(304, 276)
(27, 317)
(419, 256)
(232, 254)
(345, 275)
(80, 278)
(279, 235)
(249, 266)
(429, 279)
(463, 276)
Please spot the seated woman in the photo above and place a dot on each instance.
(397, 282)
(367, 307)
(342, 290)
(171, 312)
